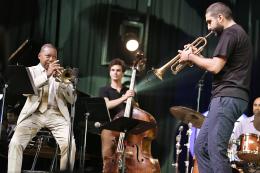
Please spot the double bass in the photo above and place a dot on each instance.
(132, 153)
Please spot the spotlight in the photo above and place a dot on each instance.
(120, 22)
(131, 33)
(131, 42)
(132, 45)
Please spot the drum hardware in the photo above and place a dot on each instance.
(192, 118)
(231, 151)
(187, 162)
(253, 167)
(237, 170)
(178, 149)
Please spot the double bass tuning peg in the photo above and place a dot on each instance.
(140, 61)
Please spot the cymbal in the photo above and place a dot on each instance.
(187, 115)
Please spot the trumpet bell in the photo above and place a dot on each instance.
(158, 73)
(67, 76)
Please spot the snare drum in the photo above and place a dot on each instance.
(249, 148)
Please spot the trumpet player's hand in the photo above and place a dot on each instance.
(53, 68)
(184, 54)
(63, 85)
(193, 48)
(58, 72)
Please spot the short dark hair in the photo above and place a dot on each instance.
(49, 45)
(117, 61)
(220, 8)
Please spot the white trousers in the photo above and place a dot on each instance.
(27, 129)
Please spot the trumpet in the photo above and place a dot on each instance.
(65, 76)
(174, 64)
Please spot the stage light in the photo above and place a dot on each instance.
(131, 42)
(121, 22)
(132, 45)
(131, 34)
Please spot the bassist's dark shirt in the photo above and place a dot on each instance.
(112, 94)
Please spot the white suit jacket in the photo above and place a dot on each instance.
(63, 96)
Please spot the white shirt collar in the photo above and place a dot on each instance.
(41, 67)
(251, 118)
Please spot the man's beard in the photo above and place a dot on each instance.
(218, 30)
(256, 111)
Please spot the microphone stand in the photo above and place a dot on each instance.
(82, 162)
(2, 108)
(200, 86)
(72, 116)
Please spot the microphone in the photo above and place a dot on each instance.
(17, 105)
(97, 124)
(181, 128)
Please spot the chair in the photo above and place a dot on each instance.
(44, 136)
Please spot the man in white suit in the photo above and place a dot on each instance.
(46, 109)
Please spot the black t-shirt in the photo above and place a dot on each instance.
(234, 79)
(112, 94)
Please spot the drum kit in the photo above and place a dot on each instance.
(243, 153)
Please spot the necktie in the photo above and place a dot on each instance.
(44, 102)
(8, 131)
(51, 95)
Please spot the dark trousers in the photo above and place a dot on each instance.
(212, 141)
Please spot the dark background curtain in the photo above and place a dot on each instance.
(80, 31)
